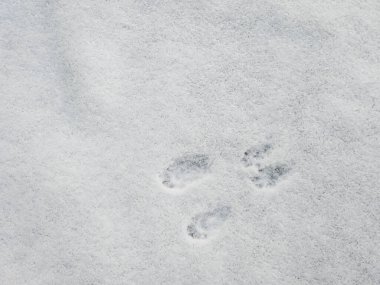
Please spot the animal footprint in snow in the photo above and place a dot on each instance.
(207, 224)
(185, 170)
(269, 175)
(253, 155)
(263, 176)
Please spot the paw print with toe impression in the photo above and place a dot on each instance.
(206, 225)
(254, 155)
(185, 170)
(261, 175)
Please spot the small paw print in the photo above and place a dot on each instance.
(185, 170)
(207, 224)
(263, 176)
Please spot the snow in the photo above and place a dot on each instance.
(101, 101)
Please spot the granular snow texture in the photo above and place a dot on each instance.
(189, 142)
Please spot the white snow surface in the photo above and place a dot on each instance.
(189, 142)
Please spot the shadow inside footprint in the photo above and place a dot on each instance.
(254, 154)
(205, 224)
(186, 169)
(270, 175)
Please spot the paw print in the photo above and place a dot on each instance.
(185, 170)
(207, 224)
(263, 176)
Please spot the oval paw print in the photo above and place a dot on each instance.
(205, 225)
(185, 170)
